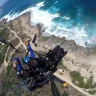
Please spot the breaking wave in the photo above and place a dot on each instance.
(61, 26)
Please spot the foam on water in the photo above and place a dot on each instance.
(66, 18)
(15, 15)
(56, 2)
(78, 35)
(60, 29)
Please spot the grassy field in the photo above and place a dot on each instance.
(77, 79)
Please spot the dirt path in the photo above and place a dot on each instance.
(62, 77)
(5, 64)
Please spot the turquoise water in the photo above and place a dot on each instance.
(73, 19)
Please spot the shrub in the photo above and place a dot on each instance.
(92, 92)
(9, 68)
(1, 58)
(77, 77)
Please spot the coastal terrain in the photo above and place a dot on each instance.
(79, 64)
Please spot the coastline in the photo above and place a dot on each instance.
(78, 58)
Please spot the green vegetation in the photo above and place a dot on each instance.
(2, 54)
(65, 94)
(38, 92)
(61, 66)
(4, 33)
(0, 46)
(94, 85)
(10, 95)
(8, 84)
(77, 79)
(5, 86)
(3, 94)
(1, 58)
(8, 69)
(89, 83)
(61, 73)
(5, 49)
(92, 92)
(6, 59)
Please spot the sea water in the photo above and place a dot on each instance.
(73, 19)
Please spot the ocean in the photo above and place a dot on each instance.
(73, 19)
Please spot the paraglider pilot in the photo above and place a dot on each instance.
(29, 62)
